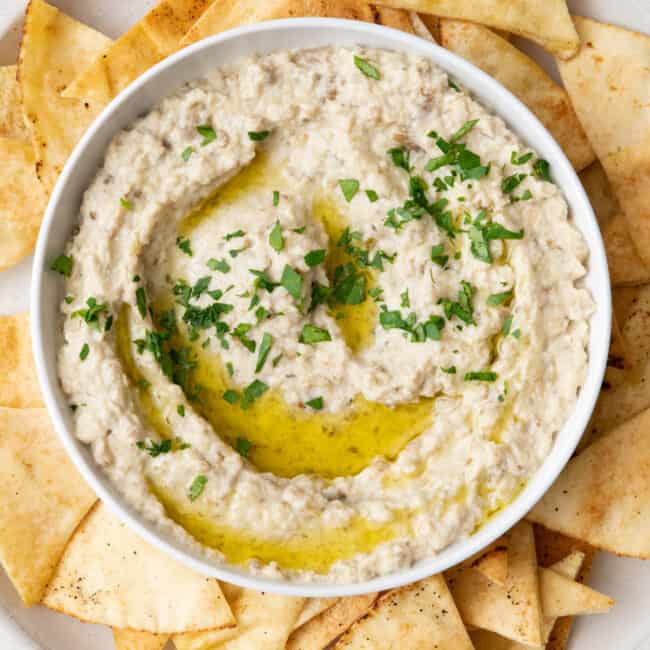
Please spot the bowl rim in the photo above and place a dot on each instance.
(537, 485)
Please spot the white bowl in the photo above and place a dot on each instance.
(195, 62)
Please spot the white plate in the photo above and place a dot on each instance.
(626, 580)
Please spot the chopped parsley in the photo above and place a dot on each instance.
(405, 302)
(232, 396)
(316, 403)
(300, 230)
(542, 170)
(109, 323)
(201, 286)
(265, 348)
(462, 308)
(197, 487)
(233, 252)
(63, 265)
(252, 392)
(517, 333)
(243, 446)
(208, 134)
(141, 301)
(481, 375)
(218, 265)
(315, 257)
(84, 352)
(276, 240)
(450, 371)
(419, 332)
(276, 198)
(496, 299)
(481, 233)
(126, 204)
(241, 332)
(349, 187)
(463, 130)
(372, 196)
(154, 449)
(401, 158)
(258, 136)
(234, 234)
(367, 68)
(180, 409)
(515, 159)
(313, 334)
(292, 281)
(510, 183)
(184, 244)
(507, 324)
(437, 255)
(456, 154)
(91, 315)
(187, 152)
(230, 368)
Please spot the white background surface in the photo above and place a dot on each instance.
(628, 581)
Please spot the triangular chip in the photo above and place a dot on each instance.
(18, 384)
(22, 202)
(130, 640)
(54, 49)
(421, 615)
(312, 608)
(320, 631)
(493, 565)
(562, 596)
(603, 494)
(421, 29)
(12, 124)
(600, 193)
(226, 14)
(546, 22)
(264, 620)
(432, 23)
(42, 500)
(570, 566)
(149, 41)
(626, 268)
(109, 575)
(395, 18)
(524, 79)
(512, 611)
(609, 85)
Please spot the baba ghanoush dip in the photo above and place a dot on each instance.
(324, 314)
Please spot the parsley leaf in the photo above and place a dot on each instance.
(276, 198)
(141, 301)
(372, 195)
(187, 152)
(241, 332)
(265, 347)
(276, 240)
(127, 205)
(218, 265)
(316, 403)
(91, 315)
(349, 187)
(63, 265)
(438, 255)
(243, 446)
(197, 487)
(463, 308)
(520, 160)
(367, 68)
(258, 136)
(208, 134)
(542, 170)
(84, 352)
(292, 281)
(400, 157)
(496, 299)
(450, 371)
(480, 375)
(201, 286)
(234, 234)
(315, 257)
(231, 396)
(313, 334)
(505, 330)
(252, 392)
(184, 244)
(463, 130)
(155, 448)
(509, 183)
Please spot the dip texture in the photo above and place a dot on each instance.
(325, 314)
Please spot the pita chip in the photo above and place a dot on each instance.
(54, 49)
(148, 42)
(512, 611)
(264, 620)
(609, 85)
(22, 202)
(626, 268)
(600, 193)
(493, 565)
(603, 495)
(109, 575)
(43, 500)
(525, 79)
(130, 640)
(18, 384)
(312, 608)
(562, 596)
(423, 614)
(321, 630)
(546, 22)
(12, 124)
(395, 18)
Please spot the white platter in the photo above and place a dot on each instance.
(628, 581)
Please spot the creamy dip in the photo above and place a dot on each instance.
(325, 314)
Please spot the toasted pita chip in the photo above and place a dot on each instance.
(546, 22)
(130, 640)
(570, 566)
(326, 627)
(493, 565)
(149, 41)
(395, 18)
(618, 356)
(18, 384)
(109, 575)
(421, 615)
(22, 202)
(54, 49)
(264, 620)
(626, 268)
(609, 85)
(12, 124)
(601, 195)
(603, 495)
(312, 608)
(512, 611)
(432, 23)
(419, 27)
(227, 14)
(562, 596)
(525, 79)
(43, 500)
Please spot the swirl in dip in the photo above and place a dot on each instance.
(325, 314)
